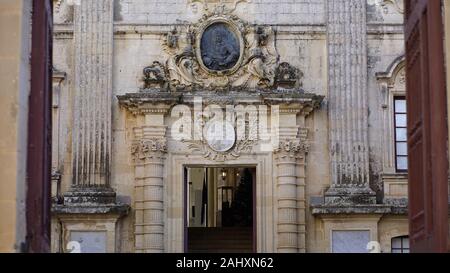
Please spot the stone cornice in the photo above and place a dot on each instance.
(324, 210)
(148, 101)
(373, 28)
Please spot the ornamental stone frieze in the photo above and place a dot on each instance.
(256, 105)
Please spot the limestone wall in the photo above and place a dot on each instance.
(301, 39)
(15, 49)
(291, 12)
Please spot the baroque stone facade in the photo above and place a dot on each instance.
(325, 71)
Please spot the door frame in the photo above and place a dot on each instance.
(252, 167)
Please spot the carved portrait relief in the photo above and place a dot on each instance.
(220, 48)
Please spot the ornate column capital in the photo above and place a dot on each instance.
(294, 148)
(148, 149)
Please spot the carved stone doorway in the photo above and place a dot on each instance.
(220, 209)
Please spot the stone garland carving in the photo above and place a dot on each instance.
(242, 146)
(148, 148)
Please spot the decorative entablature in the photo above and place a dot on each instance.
(256, 107)
(220, 52)
(157, 100)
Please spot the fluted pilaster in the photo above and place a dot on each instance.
(93, 40)
(348, 106)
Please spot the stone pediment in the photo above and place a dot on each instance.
(220, 52)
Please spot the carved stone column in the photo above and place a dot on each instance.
(148, 153)
(290, 164)
(91, 135)
(348, 107)
(90, 205)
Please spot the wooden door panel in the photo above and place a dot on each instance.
(427, 126)
(39, 131)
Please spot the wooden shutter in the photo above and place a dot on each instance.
(39, 130)
(427, 126)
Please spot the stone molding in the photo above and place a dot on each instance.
(392, 83)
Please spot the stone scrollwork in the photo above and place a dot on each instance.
(148, 148)
(220, 51)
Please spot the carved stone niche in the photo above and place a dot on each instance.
(220, 52)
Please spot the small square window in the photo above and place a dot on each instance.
(400, 105)
(400, 245)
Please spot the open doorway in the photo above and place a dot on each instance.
(220, 210)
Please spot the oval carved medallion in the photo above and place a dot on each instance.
(220, 48)
(220, 136)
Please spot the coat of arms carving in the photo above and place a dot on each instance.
(219, 52)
